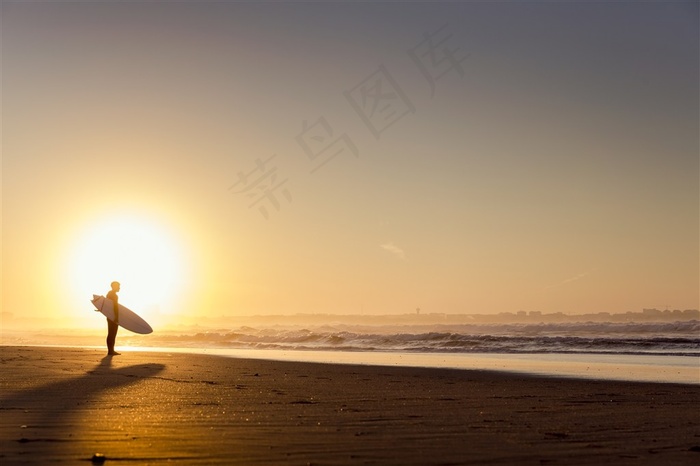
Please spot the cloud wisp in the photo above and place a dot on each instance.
(570, 279)
(395, 250)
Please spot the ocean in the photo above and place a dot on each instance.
(661, 352)
(662, 339)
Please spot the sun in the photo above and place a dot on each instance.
(137, 251)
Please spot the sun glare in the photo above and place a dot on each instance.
(137, 252)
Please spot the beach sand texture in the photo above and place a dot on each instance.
(62, 405)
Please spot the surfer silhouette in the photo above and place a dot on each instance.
(113, 326)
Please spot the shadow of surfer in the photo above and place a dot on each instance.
(64, 403)
(113, 325)
(105, 363)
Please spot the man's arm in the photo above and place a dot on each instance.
(115, 305)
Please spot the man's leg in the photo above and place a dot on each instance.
(111, 336)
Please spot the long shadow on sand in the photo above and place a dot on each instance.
(48, 416)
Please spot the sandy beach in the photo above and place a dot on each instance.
(64, 405)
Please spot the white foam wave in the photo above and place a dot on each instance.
(674, 338)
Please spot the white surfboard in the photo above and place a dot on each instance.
(127, 318)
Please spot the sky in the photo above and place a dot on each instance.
(238, 158)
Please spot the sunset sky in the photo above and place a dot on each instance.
(273, 158)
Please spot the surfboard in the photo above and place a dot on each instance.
(127, 318)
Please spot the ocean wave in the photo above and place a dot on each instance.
(674, 338)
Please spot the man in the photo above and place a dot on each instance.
(113, 326)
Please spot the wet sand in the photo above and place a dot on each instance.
(62, 405)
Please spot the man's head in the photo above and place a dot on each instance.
(115, 286)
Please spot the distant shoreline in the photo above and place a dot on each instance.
(11, 320)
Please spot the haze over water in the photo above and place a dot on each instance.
(236, 159)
